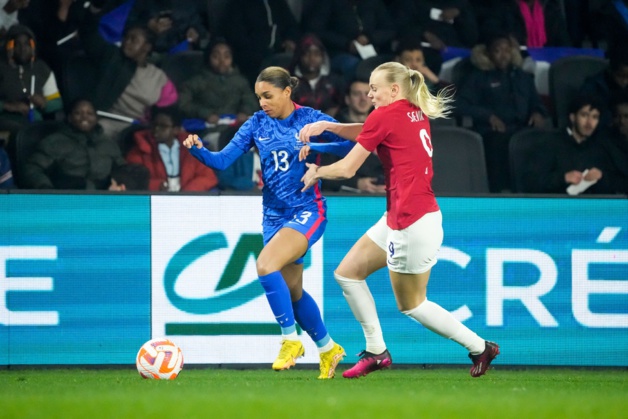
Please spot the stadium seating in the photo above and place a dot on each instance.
(459, 164)
(566, 76)
(522, 148)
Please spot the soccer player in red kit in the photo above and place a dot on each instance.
(407, 238)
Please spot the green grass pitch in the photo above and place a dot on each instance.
(262, 393)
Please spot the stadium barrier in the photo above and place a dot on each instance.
(86, 279)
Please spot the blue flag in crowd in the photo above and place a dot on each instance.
(112, 23)
(180, 47)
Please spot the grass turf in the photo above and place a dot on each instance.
(394, 393)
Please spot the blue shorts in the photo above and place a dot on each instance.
(310, 221)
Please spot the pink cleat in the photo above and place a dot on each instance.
(369, 363)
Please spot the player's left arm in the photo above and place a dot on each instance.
(341, 148)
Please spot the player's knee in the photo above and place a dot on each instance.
(262, 268)
(265, 267)
(345, 270)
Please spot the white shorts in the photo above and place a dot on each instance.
(412, 250)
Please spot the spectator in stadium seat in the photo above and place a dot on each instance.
(28, 88)
(609, 83)
(176, 25)
(257, 30)
(370, 176)
(78, 156)
(293, 221)
(573, 154)
(617, 144)
(533, 23)
(172, 168)
(317, 88)
(130, 177)
(441, 23)
(220, 95)
(410, 53)
(340, 24)
(501, 99)
(128, 85)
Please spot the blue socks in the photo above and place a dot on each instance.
(305, 311)
(278, 296)
(308, 316)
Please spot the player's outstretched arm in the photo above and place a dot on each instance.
(348, 131)
(342, 169)
(219, 160)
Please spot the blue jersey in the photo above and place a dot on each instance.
(277, 141)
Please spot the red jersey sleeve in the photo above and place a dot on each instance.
(374, 131)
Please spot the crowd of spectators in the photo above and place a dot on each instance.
(134, 110)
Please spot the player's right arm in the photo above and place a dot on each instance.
(348, 131)
(218, 160)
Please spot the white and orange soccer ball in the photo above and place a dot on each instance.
(159, 359)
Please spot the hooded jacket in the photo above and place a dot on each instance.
(194, 175)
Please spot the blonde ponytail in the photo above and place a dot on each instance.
(413, 86)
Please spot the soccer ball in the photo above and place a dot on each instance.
(159, 359)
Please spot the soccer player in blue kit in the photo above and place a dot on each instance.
(293, 220)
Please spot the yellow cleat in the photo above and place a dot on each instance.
(330, 360)
(290, 351)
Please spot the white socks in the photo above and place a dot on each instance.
(440, 321)
(362, 305)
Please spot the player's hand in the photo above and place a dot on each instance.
(312, 130)
(309, 178)
(304, 152)
(193, 140)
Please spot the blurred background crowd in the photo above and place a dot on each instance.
(99, 95)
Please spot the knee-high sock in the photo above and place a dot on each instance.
(362, 305)
(308, 316)
(440, 321)
(278, 296)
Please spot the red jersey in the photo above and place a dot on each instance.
(401, 134)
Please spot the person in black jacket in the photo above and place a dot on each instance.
(442, 23)
(78, 156)
(257, 30)
(501, 99)
(610, 83)
(341, 24)
(574, 156)
(507, 16)
(126, 84)
(617, 144)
